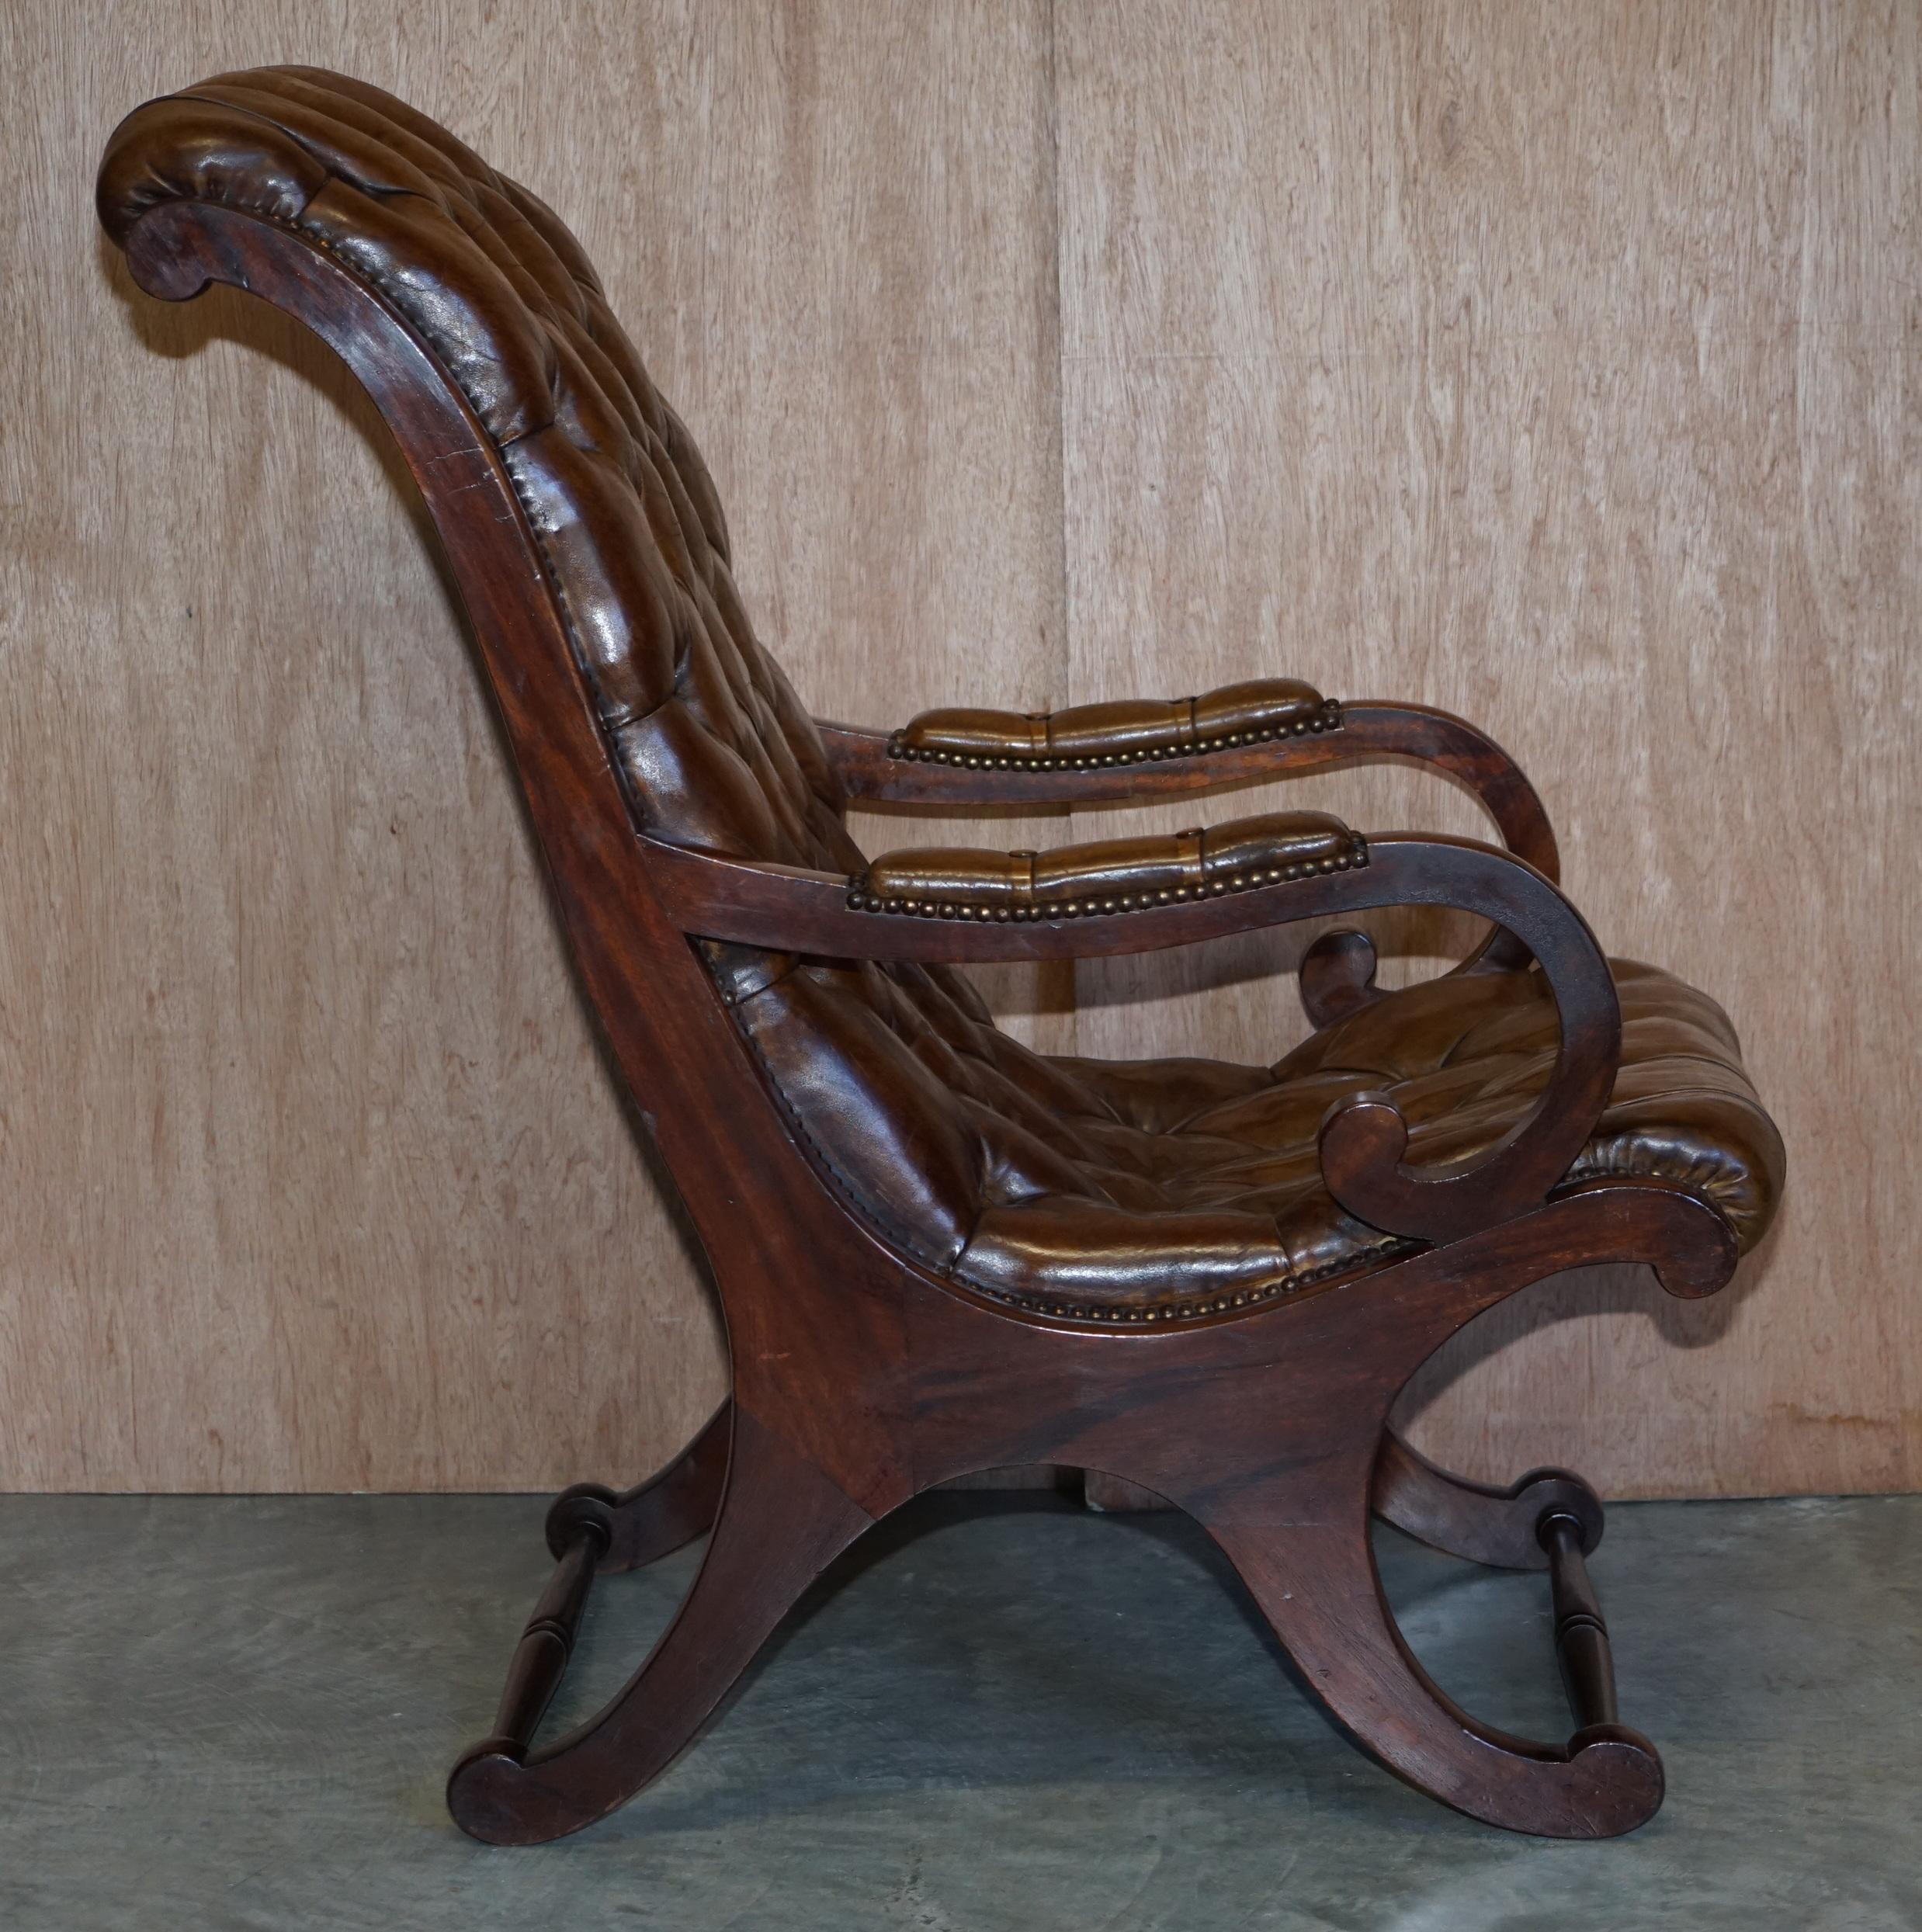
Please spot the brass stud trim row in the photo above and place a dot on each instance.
(1195, 1307)
(1327, 719)
(862, 898)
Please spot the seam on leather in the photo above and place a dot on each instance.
(852, 1197)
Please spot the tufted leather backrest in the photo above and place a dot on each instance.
(716, 750)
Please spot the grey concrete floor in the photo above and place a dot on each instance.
(999, 1712)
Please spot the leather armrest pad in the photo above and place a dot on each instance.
(1154, 870)
(1264, 708)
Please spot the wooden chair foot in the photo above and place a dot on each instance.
(1482, 1524)
(780, 1523)
(1314, 1577)
(667, 1511)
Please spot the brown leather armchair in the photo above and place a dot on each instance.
(937, 1251)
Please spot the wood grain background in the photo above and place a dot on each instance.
(1557, 364)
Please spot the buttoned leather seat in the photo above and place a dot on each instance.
(1112, 1192)
(1142, 1190)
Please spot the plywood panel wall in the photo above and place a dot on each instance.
(1555, 365)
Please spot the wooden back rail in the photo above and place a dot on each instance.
(860, 1378)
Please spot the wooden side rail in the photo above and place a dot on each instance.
(1581, 1637)
(541, 1657)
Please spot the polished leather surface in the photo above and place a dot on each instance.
(1116, 874)
(1115, 1192)
(1256, 711)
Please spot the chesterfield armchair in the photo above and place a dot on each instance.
(937, 1251)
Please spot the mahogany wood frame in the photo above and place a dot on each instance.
(858, 1379)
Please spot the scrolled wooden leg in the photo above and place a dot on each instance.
(668, 1511)
(1474, 1520)
(781, 1521)
(1311, 1572)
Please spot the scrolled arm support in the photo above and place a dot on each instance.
(1341, 734)
(1364, 1139)
(1350, 734)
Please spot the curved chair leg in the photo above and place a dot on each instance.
(1500, 1528)
(669, 1509)
(1311, 1572)
(782, 1522)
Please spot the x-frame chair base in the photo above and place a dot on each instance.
(1271, 1430)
